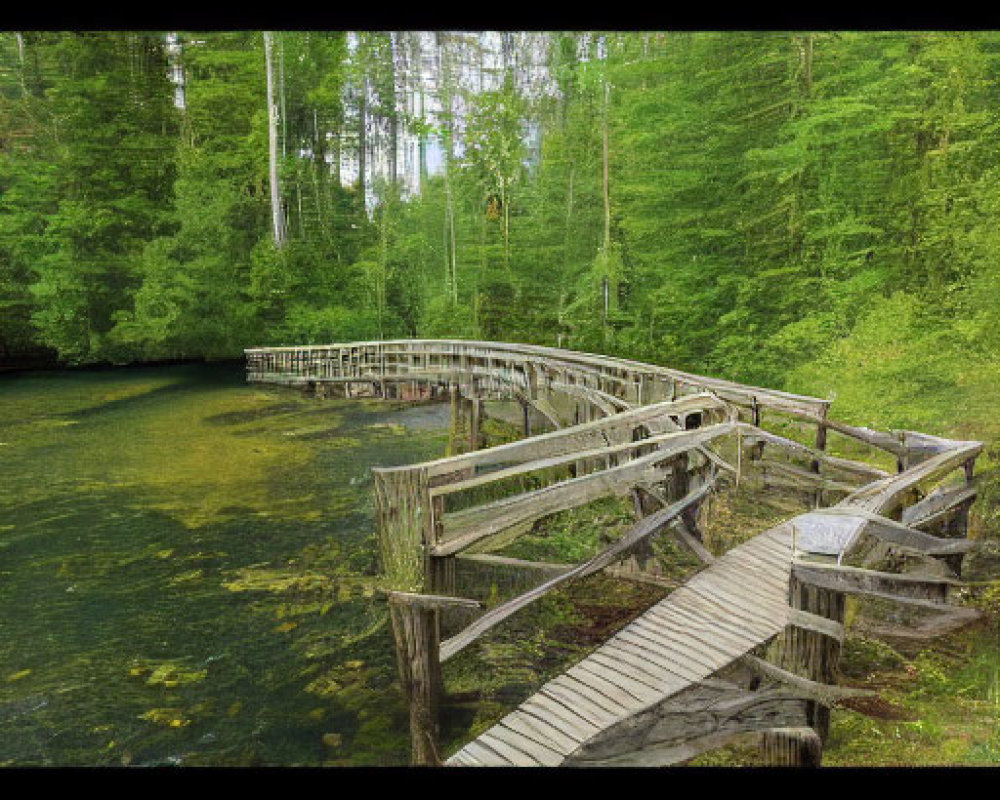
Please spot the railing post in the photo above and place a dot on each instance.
(403, 525)
(416, 630)
(792, 747)
(809, 653)
(756, 450)
(958, 526)
(821, 446)
(475, 419)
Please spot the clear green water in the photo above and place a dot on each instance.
(187, 571)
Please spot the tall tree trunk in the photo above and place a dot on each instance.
(281, 95)
(451, 258)
(20, 61)
(604, 158)
(564, 283)
(272, 138)
(383, 266)
(362, 142)
(393, 112)
(607, 202)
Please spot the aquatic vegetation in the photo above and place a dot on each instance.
(177, 570)
(169, 674)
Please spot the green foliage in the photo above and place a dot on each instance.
(808, 211)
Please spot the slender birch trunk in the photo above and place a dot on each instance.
(272, 140)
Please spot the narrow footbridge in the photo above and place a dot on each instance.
(749, 644)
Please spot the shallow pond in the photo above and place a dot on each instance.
(187, 570)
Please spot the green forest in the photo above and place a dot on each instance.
(810, 211)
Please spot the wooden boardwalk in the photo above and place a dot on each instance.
(718, 616)
(750, 644)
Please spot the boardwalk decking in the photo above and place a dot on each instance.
(719, 615)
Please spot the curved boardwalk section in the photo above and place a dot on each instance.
(702, 627)
(749, 644)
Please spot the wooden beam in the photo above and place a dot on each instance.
(520, 563)
(816, 623)
(896, 533)
(677, 439)
(886, 496)
(824, 693)
(751, 434)
(937, 505)
(853, 580)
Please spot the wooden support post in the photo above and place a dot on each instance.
(416, 628)
(404, 525)
(815, 464)
(809, 653)
(440, 575)
(642, 554)
(792, 747)
(970, 468)
(958, 527)
(526, 408)
(475, 418)
(679, 481)
(678, 485)
(756, 450)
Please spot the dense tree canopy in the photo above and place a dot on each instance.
(813, 211)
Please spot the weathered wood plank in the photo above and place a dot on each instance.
(546, 709)
(853, 580)
(604, 683)
(752, 434)
(582, 697)
(817, 623)
(708, 621)
(756, 611)
(675, 440)
(542, 730)
(539, 753)
(667, 657)
(937, 505)
(642, 668)
(573, 702)
(672, 633)
(606, 665)
(796, 477)
(505, 561)
(462, 528)
(662, 734)
(486, 755)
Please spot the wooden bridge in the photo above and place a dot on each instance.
(749, 644)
